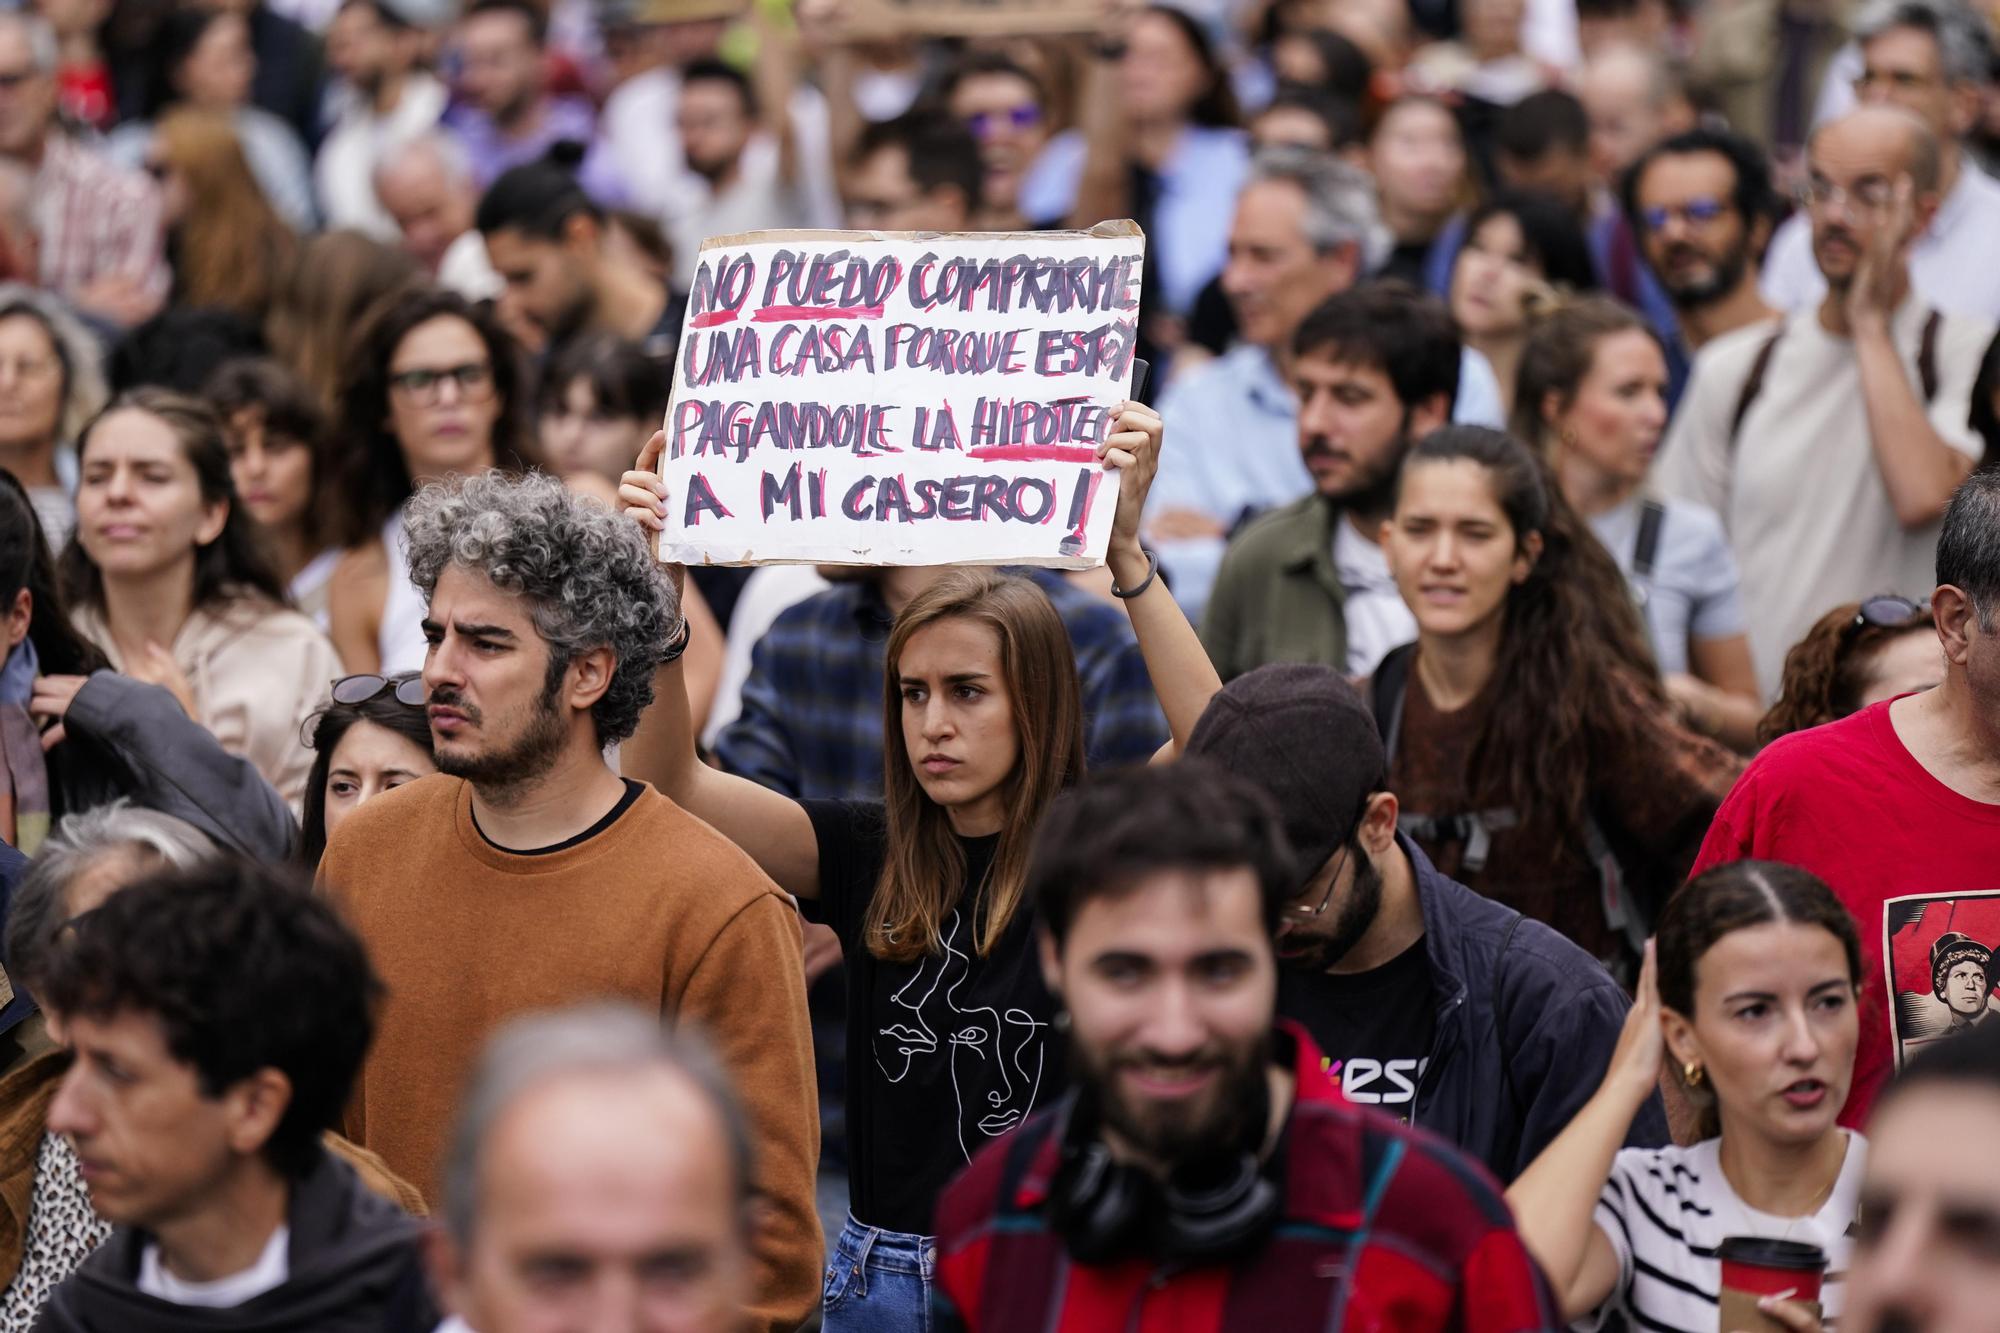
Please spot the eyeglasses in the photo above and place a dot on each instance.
(984, 124)
(426, 385)
(1821, 193)
(1889, 612)
(356, 690)
(1695, 212)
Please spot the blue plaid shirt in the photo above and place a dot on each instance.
(811, 725)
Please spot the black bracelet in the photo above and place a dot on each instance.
(1152, 572)
(679, 645)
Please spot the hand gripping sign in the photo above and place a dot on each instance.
(900, 398)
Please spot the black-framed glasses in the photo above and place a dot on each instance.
(426, 384)
(356, 690)
(1696, 212)
(1889, 611)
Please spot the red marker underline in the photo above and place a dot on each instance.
(1035, 453)
(770, 314)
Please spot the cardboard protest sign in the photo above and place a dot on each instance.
(973, 18)
(875, 398)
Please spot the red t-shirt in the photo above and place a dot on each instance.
(1914, 861)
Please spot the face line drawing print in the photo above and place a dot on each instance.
(919, 1037)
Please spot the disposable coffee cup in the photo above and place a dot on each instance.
(1754, 1267)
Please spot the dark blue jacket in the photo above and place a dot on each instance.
(1526, 1023)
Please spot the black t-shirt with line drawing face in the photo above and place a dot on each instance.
(1374, 1027)
(944, 1054)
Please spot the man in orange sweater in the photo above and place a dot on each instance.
(529, 875)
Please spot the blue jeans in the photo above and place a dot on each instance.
(878, 1281)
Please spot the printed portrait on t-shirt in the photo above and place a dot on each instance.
(1939, 953)
(993, 1057)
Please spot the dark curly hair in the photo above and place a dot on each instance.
(1828, 671)
(587, 575)
(375, 481)
(245, 969)
(1103, 836)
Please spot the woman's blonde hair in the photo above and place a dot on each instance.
(231, 250)
(923, 874)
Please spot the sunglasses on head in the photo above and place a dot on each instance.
(1889, 611)
(353, 690)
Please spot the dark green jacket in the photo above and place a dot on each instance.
(1278, 597)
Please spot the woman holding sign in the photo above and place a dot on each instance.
(950, 1036)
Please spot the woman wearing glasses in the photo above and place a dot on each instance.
(1857, 654)
(435, 389)
(170, 583)
(373, 736)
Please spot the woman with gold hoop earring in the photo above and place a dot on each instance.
(1748, 996)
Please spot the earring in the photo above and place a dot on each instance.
(1061, 1021)
(1691, 1071)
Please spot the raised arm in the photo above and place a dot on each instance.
(1555, 1199)
(773, 829)
(1919, 470)
(1183, 677)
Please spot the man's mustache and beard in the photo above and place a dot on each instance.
(1694, 278)
(1322, 946)
(1372, 491)
(1229, 1116)
(531, 755)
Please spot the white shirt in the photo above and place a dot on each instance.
(359, 141)
(225, 1293)
(1665, 1210)
(1800, 492)
(465, 269)
(1374, 612)
(1951, 264)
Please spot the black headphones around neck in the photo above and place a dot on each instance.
(1212, 1210)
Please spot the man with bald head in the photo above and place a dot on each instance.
(1831, 445)
(425, 186)
(1932, 58)
(599, 1178)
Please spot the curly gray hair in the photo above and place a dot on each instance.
(587, 575)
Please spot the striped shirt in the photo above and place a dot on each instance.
(1665, 1210)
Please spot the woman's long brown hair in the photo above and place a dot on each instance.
(923, 874)
(232, 250)
(1572, 647)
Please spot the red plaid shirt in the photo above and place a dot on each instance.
(1384, 1227)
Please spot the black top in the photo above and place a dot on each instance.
(944, 1054)
(1376, 1027)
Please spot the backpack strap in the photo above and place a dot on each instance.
(1621, 913)
(1752, 386)
(1386, 689)
(1927, 371)
(1652, 517)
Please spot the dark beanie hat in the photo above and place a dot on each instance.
(1302, 733)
